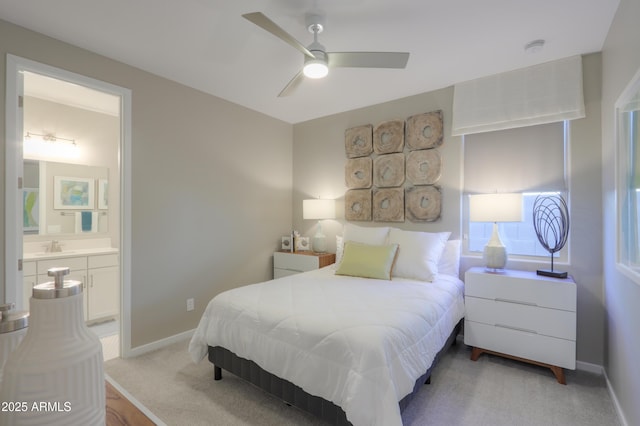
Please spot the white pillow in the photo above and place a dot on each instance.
(419, 253)
(339, 249)
(374, 236)
(450, 261)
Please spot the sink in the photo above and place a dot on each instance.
(52, 254)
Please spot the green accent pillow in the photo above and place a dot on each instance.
(367, 261)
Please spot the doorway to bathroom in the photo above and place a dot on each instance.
(68, 139)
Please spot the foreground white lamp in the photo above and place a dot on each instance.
(57, 370)
(495, 208)
(319, 209)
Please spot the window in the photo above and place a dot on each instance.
(628, 179)
(528, 160)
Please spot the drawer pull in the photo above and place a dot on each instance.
(526, 330)
(519, 302)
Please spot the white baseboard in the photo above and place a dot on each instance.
(159, 344)
(589, 367)
(616, 404)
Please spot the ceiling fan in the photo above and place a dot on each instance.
(317, 60)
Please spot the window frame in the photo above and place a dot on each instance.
(563, 256)
(627, 145)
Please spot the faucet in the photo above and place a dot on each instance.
(55, 246)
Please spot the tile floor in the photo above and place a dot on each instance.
(109, 334)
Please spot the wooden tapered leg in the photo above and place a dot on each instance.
(558, 372)
(475, 353)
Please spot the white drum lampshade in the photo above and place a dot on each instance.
(495, 208)
(319, 209)
(57, 370)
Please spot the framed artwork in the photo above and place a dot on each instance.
(286, 243)
(302, 244)
(30, 210)
(73, 193)
(103, 194)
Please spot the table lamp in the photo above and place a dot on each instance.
(319, 209)
(495, 208)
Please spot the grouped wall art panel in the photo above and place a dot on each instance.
(357, 204)
(423, 203)
(424, 167)
(358, 141)
(388, 205)
(358, 173)
(392, 170)
(388, 170)
(388, 137)
(424, 131)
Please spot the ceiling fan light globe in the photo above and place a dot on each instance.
(315, 69)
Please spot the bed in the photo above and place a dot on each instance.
(351, 349)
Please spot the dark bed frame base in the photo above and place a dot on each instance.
(248, 370)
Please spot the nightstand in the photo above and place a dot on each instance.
(289, 263)
(523, 316)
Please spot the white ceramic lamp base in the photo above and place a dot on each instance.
(495, 253)
(319, 243)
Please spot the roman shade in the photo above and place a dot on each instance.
(527, 159)
(539, 94)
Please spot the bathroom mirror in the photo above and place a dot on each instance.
(62, 198)
(628, 179)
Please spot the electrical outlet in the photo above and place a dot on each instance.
(190, 305)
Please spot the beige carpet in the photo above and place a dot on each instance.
(492, 391)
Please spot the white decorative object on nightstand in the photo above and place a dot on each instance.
(523, 316)
(287, 263)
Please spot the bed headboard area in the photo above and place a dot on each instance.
(414, 254)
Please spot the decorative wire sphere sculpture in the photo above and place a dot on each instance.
(551, 223)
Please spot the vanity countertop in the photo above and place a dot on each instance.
(69, 253)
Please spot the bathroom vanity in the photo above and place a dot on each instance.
(97, 268)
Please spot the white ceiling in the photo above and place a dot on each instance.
(207, 45)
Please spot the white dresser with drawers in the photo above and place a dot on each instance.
(522, 316)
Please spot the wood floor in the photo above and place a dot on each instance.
(121, 412)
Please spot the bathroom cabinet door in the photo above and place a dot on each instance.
(104, 293)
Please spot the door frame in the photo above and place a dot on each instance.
(16, 66)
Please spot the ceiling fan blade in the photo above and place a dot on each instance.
(267, 24)
(368, 59)
(292, 85)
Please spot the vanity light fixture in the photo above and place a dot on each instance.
(49, 146)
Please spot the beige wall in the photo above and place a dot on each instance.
(620, 61)
(211, 186)
(318, 171)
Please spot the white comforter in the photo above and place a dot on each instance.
(360, 343)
